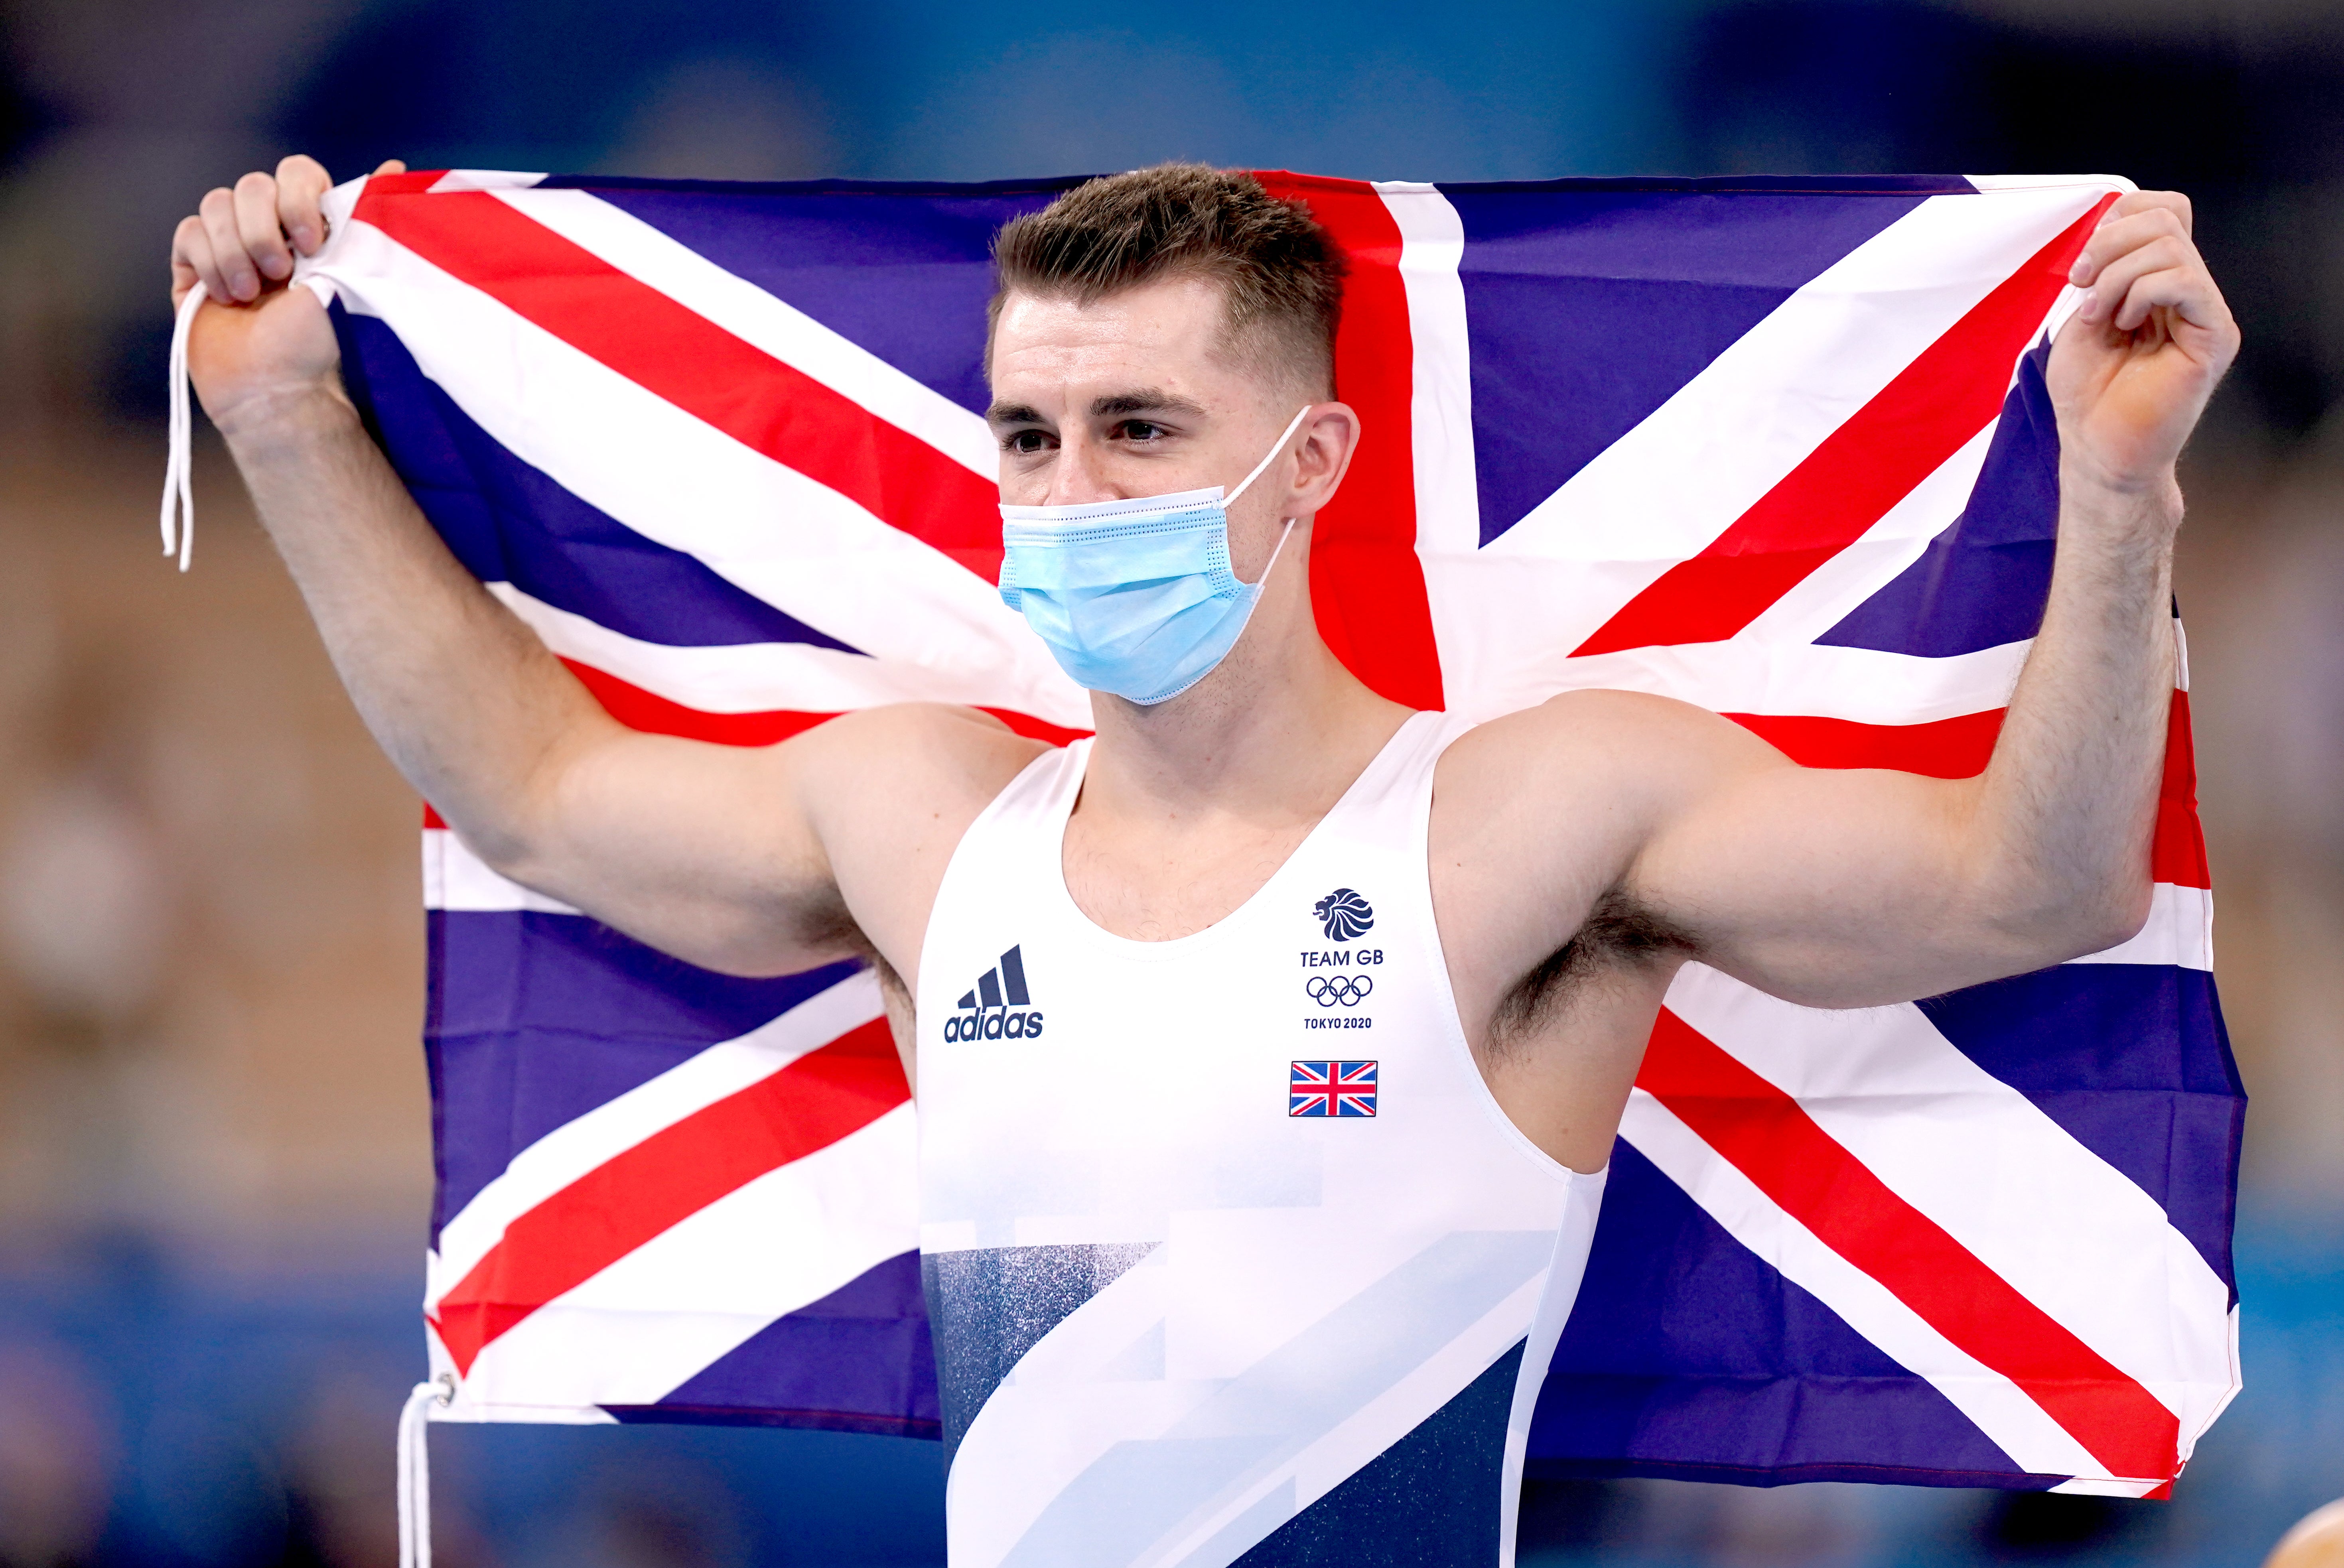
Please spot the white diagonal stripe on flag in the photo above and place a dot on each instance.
(1684, 475)
(1862, 686)
(650, 256)
(578, 1148)
(2000, 1407)
(1730, 434)
(714, 1278)
(744, 677)
(799, 545)
(1978, 1159)
(481, 180)
(1824, 598)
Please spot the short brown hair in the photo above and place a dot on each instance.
(1282, 273)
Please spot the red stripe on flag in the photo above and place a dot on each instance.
(1905, 433)
(591, 1224)
(763, 402)
(1959, 748)
(1367, 584)
(1034, 729)
(1955, 748)
(1768, 1136)
(2178, 855)
(415, 182)
(657, 715)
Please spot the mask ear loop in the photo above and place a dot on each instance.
(1276, 550)
(1247, 483)
(1274, 449)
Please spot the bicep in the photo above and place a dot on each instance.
(704, 851)
(1832, 887)
(768, 860)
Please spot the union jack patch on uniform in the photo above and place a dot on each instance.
(1331, 1088)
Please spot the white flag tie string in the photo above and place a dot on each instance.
(178, 496)
(414, 1469)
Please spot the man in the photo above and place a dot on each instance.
(1242, 1327)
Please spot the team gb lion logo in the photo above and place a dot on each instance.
(1345, 914)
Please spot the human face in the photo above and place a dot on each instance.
(1135, 394)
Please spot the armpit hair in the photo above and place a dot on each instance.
(831, 925)
(1619, 935)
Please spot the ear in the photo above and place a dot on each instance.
(1323, 455)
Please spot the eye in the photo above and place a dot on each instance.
(1026, 443)
(1141, 430)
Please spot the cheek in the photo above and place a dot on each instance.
(1255, 541)
(1025, 480)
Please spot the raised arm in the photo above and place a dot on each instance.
(1842, 888)
(1687, 835)
(733, 858)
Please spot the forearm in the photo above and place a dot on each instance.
(464, 698)
(2065, 810)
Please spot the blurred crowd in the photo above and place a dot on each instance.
(214, 1126)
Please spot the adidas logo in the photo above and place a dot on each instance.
(999, 1008)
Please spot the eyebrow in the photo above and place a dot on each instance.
(1146, 401)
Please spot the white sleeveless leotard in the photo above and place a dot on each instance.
(1230, 1255)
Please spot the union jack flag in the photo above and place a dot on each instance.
(1331, 1088)
(1779, 448)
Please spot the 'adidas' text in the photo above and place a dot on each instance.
(998, 1007)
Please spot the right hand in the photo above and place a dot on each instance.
(255, 342)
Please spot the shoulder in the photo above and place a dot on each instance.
(903, 774)
(924, 742)
(1596, 714)
(889, 791)
(1601, 738)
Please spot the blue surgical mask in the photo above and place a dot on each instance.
(1134, 597)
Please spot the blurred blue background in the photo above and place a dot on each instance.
(214, 1149)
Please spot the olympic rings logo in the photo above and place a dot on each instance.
(1327, 991)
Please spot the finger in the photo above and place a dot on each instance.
(239, 280)
(2134, 201)
(2108, 290)
(2188, 290)
(2121, 235)
(391, 166)
(255, 224)
(301, 184)
(192, 263)
(2115, 280)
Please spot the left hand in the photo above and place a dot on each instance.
(2132, 368)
